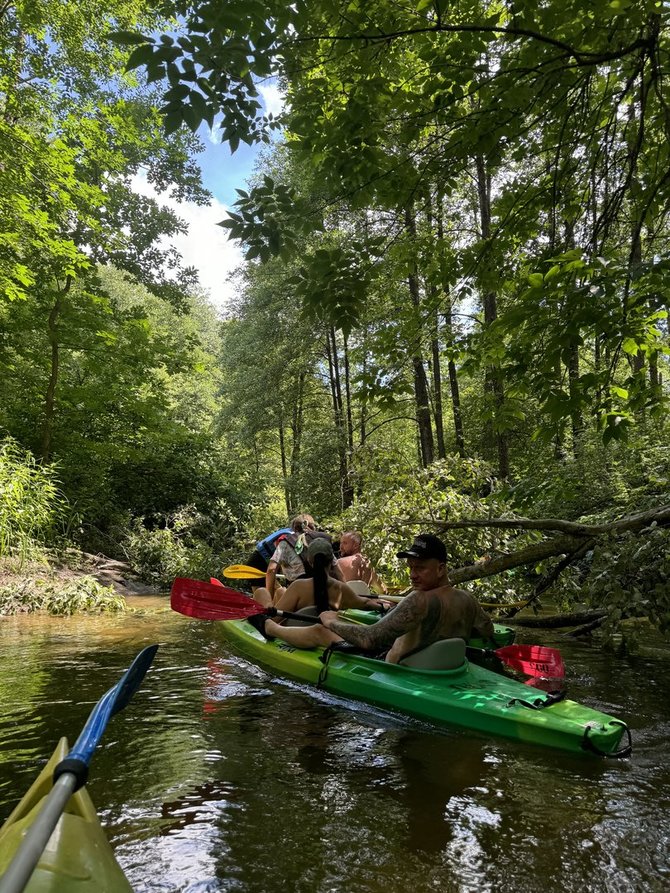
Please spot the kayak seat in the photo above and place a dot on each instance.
(359, 587)
(309, 611)
(447, 654)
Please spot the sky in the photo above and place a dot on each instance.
(206, 246)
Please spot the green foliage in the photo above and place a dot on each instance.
(174, 547)
(629, 577)
(554, 317)
(537, 136)
(32, 508)
(81, 595)
(599, 482)
(271, 220)
(476, 186)
(400, 501)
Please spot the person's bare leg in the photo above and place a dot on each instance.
(307, 637)
(263, 597)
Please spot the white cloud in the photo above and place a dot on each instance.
(205, 246)
(273, 99)
(212, 133)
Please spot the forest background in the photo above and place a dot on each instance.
(453, 308)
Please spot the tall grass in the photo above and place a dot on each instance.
(31, 505)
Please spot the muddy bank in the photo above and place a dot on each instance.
(67, 568)
(119, 574)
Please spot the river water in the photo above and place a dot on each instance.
(221, 777)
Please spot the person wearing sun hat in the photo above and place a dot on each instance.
(433, 610)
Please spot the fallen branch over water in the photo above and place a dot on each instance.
(556, 621)
(529, 555)
(659, 515)
(576, 541)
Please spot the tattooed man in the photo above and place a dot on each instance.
(433, 610)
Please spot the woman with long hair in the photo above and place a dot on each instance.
(321, 589)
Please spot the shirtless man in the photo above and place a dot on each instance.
(433, 610)
(355, 566)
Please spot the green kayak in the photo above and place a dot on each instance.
(468, 696)
(78, 857)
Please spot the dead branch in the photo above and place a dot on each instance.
(549, 579)
(587, 628)
(560, 545)
(558, 620)
(659, 515)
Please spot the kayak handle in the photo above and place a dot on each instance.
(625, 751)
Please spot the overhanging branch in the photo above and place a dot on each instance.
(659, 515)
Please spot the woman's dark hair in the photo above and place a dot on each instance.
(320, 566)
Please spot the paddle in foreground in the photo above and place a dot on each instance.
(78, 856)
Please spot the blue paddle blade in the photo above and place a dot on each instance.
(110, 703)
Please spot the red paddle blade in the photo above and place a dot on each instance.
(205, 601)
(215, 582)
(533, 660)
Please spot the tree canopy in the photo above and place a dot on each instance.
(454, 292)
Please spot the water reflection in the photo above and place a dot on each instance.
(435, 770)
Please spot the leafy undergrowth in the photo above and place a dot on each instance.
(28, 594)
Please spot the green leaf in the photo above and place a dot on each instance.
(173, 120)
(128, 38)
(141, 55)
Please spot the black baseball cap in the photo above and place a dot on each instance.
(426, 545)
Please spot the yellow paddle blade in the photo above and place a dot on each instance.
(243, 572)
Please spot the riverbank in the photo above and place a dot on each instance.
(67, 583)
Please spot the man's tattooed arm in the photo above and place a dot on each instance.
(402, 619)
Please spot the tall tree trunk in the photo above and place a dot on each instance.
(576, 420)
(456, 408)
(296, 430)
(363, 418)
(347, 397)
(50, 396)
(454, 387)
(347, 489)
(573, 386)
(449, 333)
(336, 391)
(634, 139)
(424, 424)
(331, 380)
(284, 469)
(597, 364)
(437, 390)
(493, 376)
(436, 364)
